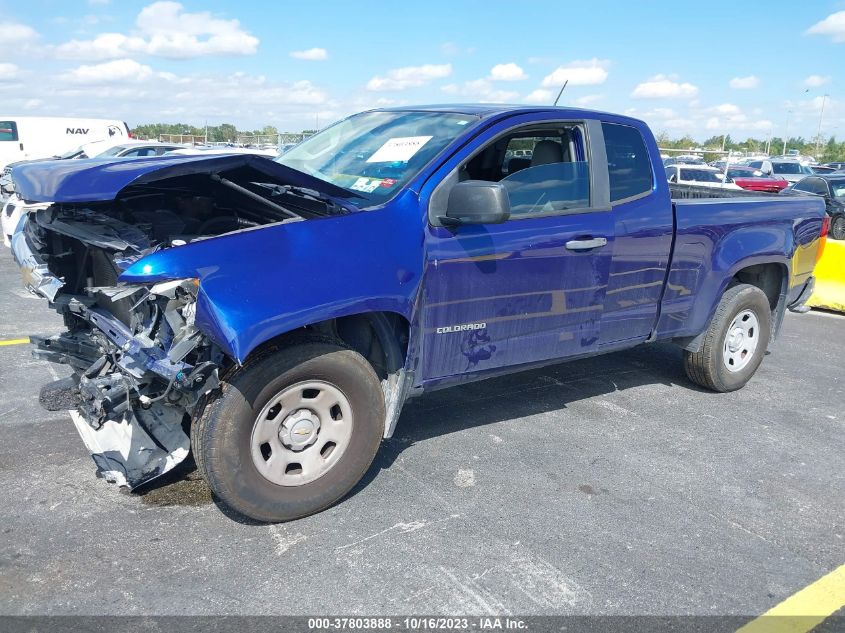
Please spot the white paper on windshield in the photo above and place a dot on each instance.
(399, 149)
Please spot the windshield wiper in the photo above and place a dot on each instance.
(332, 207)
(251, 194)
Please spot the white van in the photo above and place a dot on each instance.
(29, 137)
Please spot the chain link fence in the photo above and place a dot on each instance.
(242, 140)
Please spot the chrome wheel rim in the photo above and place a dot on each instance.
(741, 340)
(301, 433)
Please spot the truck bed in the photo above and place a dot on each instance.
(715, 229)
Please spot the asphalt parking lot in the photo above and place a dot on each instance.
(604, 486)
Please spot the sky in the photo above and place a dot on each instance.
(699, 69)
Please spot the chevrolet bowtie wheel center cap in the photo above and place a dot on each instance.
(299, 430)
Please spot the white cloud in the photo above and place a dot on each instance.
(480, 90)
(726, 108)
(817, 81)
(311, 54)
(409, 77)
(15, 33)
(744, 83)
(507, 72)
(540, 96)
(8, 72)
(164, 29)
(578, 73)
(586, 100)
(113, 72)
(663, 87)
(833, 25)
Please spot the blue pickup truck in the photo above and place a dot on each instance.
(272, 316)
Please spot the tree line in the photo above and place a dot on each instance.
(223, 133)
(831, 150)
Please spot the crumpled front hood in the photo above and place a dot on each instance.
(98, 180)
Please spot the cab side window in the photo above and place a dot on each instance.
(544, 169)
(8, 131)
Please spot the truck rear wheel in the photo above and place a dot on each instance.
(735, 342)
(292, 432)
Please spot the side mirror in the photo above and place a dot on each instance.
(476, 202)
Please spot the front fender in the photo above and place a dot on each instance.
(259, 283)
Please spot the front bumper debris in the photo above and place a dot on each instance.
(135, 388)
(136, 448)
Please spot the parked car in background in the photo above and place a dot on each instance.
(26, 137)
(684, 160)
(135, 149)
(699, 175)
(755, 180)
(214, 150)
(838, 166)
(832, 189)
(822, 169)
(789, 170)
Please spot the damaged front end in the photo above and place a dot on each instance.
(135, 385)
(142, 355)
(140, 362)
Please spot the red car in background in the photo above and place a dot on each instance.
(755, 180)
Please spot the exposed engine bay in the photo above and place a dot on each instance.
(140, 363)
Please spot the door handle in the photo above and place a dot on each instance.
(585, 245)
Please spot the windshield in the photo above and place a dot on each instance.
(746, 173)
(112, 151)
(73, 153)
(837, 188)
(375, 153)
(790, 168)
(701, 175)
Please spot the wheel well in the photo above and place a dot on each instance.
(380, 337)
(767, 277)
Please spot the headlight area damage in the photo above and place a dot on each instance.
(136, 383)
(140, 362)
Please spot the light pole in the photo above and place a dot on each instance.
(786, 135)
(819, 134)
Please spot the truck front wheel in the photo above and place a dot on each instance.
(291, 432)
(735, 342)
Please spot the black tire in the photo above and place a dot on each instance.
(222, 432)
(707, 366)
(837, 228)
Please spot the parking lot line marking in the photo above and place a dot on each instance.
(14, 341)
(804, 610)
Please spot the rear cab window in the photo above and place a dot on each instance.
(8, 131)
(628, 163)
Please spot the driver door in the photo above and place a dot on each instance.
(532, 288)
